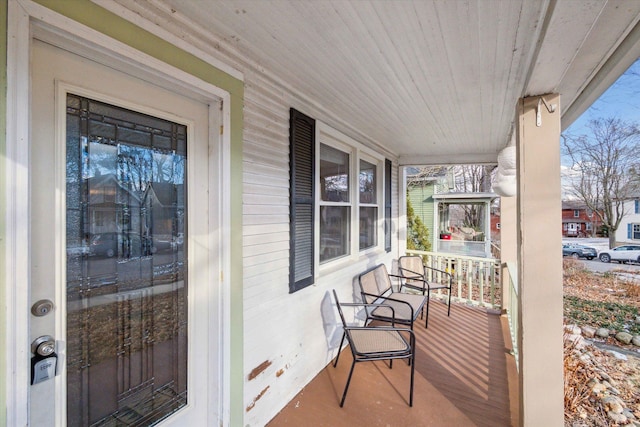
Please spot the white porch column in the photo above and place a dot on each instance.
(540, 263)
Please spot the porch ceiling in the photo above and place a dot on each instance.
(432, 81)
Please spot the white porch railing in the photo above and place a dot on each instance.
(475, 280)
(511, 275)
(467, 248)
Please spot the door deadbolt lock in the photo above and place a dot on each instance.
(45, 360)
(42, 307)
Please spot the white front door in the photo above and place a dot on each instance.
(121, 246)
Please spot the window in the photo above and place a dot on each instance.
(368, 207)
(337, 181)
(98, 218)
(636, 232)
(387, 205)
(576, 213)
(350, 198)
(335, 206)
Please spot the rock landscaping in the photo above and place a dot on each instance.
(602, 351)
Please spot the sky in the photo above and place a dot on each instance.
(621, 100)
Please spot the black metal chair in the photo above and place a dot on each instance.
(371, 343)
(414, 274)
(376, 289)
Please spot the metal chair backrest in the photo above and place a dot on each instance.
(411, 266)
(374, 281)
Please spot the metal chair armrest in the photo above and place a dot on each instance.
(446, 273)
(390, 299)
(407, 274)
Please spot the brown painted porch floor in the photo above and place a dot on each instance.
(464, 376)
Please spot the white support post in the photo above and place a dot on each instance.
(540, 263)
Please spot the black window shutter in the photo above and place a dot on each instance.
(387, 205)
(302, 132)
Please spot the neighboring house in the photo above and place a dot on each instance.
(463, 221)
(295, 122)
(106, 198)
(578, 220)
(495, 223)
(447, 216)
(164, 217)
(629, 229)
(420, 193)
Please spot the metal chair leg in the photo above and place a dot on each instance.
(413, 365)
(346, 387)
(344, 334)
(426, 323)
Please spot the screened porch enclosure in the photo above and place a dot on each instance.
(463, 223)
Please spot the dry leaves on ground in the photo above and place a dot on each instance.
(582, 368)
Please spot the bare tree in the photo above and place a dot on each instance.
(606, 165)
(426, 173)
(473, 179)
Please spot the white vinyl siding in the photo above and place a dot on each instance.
(286, 342)
(626, 229)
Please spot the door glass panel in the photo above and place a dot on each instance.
(126, 266)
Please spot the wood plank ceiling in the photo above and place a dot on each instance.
(434, 81)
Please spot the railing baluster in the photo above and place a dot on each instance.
(459, 277)
(474, 272)
(481, 281)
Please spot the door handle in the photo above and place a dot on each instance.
(45, 360)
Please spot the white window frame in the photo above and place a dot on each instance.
(379, 185)
(635, 231)
(357, 151)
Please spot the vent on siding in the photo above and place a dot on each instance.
(302, 172)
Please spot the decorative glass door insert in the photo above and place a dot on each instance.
(126, 236)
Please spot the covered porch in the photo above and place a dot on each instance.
(465, 374)
(388, 84)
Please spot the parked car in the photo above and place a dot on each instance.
(622, 254)
(78, 249)
(576, 251)
(127, 245)
(104, 244)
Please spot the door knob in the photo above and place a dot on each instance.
(44, 361)
(44, 346)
